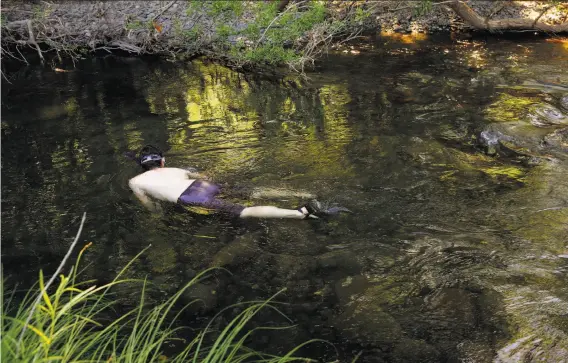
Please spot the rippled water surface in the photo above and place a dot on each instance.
(456, 251)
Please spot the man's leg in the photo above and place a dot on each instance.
(274, 212)
(202, 193)
(257, 211)
(313, 209)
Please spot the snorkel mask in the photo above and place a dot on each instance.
(146, 154)
(152, 157)
(150, 153)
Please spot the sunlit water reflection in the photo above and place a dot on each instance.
(451, 254)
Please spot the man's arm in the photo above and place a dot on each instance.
(143, 197)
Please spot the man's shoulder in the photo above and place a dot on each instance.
(132, 181)
(136, 180)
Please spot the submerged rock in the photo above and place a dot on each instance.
(557, 139)
(453, 309)
(364, 319)
(240, 250)
(521, 126)
(351, 287)
(409, 350)
(289, 267)
(417, 77)
(202, 296)
(292, 238)
(508, 108)
(529, 110)
(367, 324)
(490, 141)
(453, 134)
(564, 102)
(515, 139)
(403, 94)
(162, 258)
(343, 260)
(547, 115)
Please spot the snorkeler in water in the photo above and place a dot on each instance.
(193, 189)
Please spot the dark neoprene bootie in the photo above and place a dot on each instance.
(318, 209)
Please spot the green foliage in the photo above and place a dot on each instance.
(70, 323)
(39, 12)
(424, 7)
(224, 31)
(193, 33)
(271, 37)
(177, 26)
(134, 25)
(361, 15)
(233, 8)
(191, 7)
(257, 33)
(190, 35)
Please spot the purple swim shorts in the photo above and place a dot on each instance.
(201, 193)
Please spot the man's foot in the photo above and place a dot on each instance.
(316, 209)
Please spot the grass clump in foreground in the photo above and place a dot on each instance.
(70, 323)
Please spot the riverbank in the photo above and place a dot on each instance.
(292, 33)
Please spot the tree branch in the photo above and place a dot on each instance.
(32, 39)
(15, 24)
(164, 10)
(542, 13)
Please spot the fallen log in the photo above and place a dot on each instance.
(472, 18)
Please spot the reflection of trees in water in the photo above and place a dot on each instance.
(240, 124)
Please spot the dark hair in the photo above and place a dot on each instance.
(150, 157)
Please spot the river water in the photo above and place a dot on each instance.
(453, 253)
